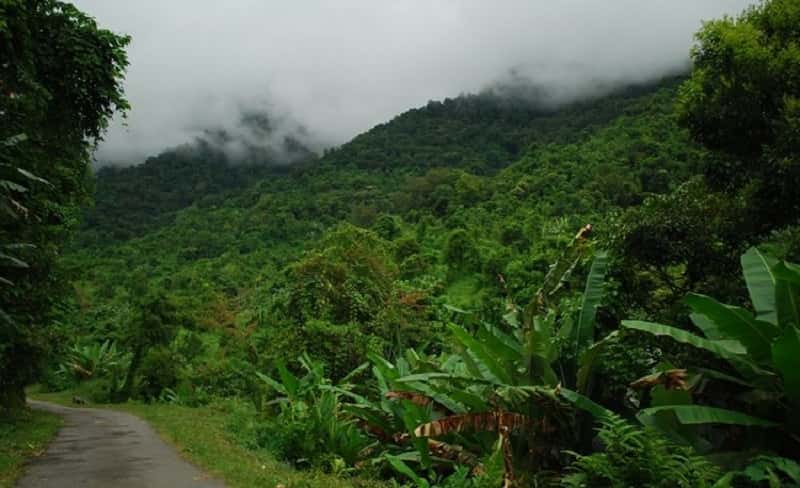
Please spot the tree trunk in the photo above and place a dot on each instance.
(127, 388)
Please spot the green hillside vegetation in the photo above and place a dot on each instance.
(484, 291)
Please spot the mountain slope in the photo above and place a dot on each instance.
(222, 257)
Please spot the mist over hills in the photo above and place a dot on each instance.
(478, 133)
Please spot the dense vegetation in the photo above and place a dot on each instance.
(60, 81)
(479, 291)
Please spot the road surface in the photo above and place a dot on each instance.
(104, 448)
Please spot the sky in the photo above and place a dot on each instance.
(339, 67)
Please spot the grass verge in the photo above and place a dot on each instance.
(199, 434)
(21, 438)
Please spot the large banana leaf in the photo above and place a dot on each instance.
(488, 365)
(276, 385)
(592, 294)
(787, 294)
(787, 272)
(760, 284)
(786, 358)
(290, 382)
(502, 345)
(584, 403)
(736, 323)
(699, 414)
(723, 349)
(446, 376)
(730, 350)
(708, 327)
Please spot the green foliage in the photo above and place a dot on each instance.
(154, 325)
(130, 201)
(157, 372)
(460, 252)
(742, 100)
(763, 353)
(309, 428)
(632, 456)
(94, 361)
(499, 380)
(348, 280)
(61, 82)
(770, 470)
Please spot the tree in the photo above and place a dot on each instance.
(60, 82)
(154, 325)
(743, 102)
(349, 279)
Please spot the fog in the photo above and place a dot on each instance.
(332, 69)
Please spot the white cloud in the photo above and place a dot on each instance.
(341, 67)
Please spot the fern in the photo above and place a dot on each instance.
(633, 456)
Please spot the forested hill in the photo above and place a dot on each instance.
(426, 182)
(477, 133)
(129, 200)
(484, 132)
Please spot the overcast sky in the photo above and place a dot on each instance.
(341, 66)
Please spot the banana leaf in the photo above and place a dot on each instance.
(592, 294)
(700, 414)
(584, 403)
(736, 323)
(787, 294)
(490, 365)
(723, 349)
(706, 325)
(786, 358)
(760, 284)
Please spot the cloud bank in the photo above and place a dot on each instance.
(338, 68)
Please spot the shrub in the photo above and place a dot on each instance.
(633, 456)
(158, 371)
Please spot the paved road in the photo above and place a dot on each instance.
(108, 449)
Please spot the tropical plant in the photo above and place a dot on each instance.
(90, 361)
(632, 456)
(773, 470)
(761, 349)
(310, 427)
(501, 380)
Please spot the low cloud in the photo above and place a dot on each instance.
(338, 68)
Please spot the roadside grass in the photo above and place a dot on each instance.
(200, 436)
(22, 437)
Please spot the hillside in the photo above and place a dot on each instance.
(238, 232)
(479, 134)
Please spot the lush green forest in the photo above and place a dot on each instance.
(483, 291)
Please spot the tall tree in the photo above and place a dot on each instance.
(743, 102)
(60, 82)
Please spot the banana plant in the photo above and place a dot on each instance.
(15, 182)
(94, 361)
(761, 346)
(312, 402)
(501, 379)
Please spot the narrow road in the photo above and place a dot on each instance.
(104, 448)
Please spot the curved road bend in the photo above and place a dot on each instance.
(103, 448)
